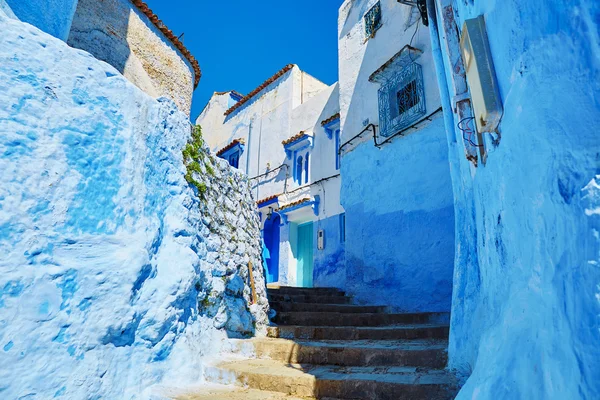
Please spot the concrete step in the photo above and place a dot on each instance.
(357, 319)
(373, 383)
(308, 298)
(225, 392)
(282, 306)
(420, 331)
(428, 353)
(306, 291)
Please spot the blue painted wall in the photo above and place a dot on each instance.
(525, 313)
(329, 268)
(400, 221)
(51, 16)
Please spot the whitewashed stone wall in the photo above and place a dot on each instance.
(115, 31)
(231, 231)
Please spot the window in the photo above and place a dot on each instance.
(306, 158)
(232, 152)
(299, 168)
(373, 20)
(401, 100)
(234, 160)
(342, 228)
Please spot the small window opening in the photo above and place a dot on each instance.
(373, 20)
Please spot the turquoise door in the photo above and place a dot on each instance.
(305, 255)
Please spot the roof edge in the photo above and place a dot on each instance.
(143, 7)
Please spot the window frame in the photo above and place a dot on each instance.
(391, 120)
(372, 25)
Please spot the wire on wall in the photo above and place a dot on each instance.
(467, 131)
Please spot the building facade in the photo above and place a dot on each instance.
(396, 186)
(284, 135)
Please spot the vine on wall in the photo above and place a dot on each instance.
(192, 156)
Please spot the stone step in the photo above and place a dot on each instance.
(428, 353)
(420, 331)
(357, 319)
(373, 383)
(308, 298)
(323, 291)
(225, 392)
(282, 306)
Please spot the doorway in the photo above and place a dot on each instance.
(305, 255)
(271, 237)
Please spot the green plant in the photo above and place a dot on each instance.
(192, 154)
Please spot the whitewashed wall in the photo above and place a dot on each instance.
(398, 198)
(359, 58)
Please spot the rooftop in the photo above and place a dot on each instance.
(263, 85)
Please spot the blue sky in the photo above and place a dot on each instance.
(240, 43)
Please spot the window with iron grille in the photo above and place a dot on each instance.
(401, 100)
(373, 20)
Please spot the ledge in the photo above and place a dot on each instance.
(400, 60)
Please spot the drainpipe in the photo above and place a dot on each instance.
(248, 147)
(259, 146)
(436, 50)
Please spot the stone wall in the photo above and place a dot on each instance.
(231, 227)
(115, 31)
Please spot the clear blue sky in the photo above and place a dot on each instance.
(240, 43)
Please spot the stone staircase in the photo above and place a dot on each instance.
(327, 348)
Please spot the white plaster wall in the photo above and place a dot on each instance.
(359, 58)
(115, 31)
(311, 87)
(308, 117)
(211, 120)
(263, 122)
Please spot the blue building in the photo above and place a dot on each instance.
(520, 87)
(396, 186)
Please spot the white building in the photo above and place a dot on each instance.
(285, 135)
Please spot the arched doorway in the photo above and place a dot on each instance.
(271, 237)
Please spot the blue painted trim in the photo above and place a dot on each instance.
(266, 203)
(314, 204)
(239, 147)
(301, 143)
(332, 127)
(235, 96)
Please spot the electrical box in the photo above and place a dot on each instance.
(479, 67)
(320, 239)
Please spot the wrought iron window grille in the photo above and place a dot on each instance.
(401, 100)
(373, 20)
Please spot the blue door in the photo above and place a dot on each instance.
(305, 255)
(271, 237)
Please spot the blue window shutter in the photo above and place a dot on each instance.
(299, 169)
(306, 159)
